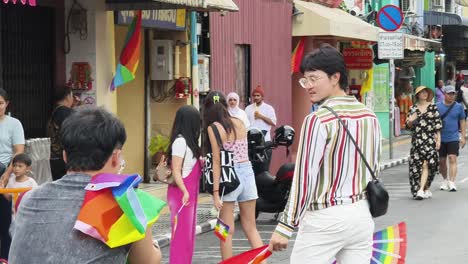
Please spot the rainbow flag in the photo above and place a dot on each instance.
(389, 245)
(115, 211)
(221, 230)
(130, 56)
(297, 56)
(254, 256)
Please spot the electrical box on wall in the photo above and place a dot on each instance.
(162, 60)
(204, 73)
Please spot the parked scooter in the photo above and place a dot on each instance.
(273, 191)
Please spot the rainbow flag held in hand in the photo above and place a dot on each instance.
(254, 256)
(221, 230)
(389, 245)
(115, 211)
(130, 56)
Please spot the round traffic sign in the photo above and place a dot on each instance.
(390, 18)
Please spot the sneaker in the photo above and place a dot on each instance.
(452, 187)
(427, 194)
(444, 186)
(419, 195)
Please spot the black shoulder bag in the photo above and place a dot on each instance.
(228, 180)
(376, 193)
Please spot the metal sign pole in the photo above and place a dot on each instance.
(392, 107)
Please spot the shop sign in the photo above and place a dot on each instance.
(413, 58)
(329, 3)
(358, 58)
(29, 2)
(173, 19)
(390, 45)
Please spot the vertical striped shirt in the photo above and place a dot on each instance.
(329, 170)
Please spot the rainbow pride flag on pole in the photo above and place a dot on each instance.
(115, 211)
(221, 230)
(130, 56)
(297, 56)
(254, 256)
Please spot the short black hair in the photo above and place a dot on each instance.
(22, 158)
(326, 59)
(89, 136)
(61, 93)
(4, 94)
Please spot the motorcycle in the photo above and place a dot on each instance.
(273, 191)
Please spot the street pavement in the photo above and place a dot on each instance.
(436, 227)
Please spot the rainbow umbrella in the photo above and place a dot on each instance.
(130, 56)
(115, 211)
(254, 256)
(389, 245)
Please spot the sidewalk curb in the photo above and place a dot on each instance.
(210, 225)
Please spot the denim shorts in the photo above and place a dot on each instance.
(247, 189)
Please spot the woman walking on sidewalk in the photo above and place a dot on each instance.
(424, 122)
(233, 138)
(183, 155)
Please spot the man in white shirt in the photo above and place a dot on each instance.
(260, 114)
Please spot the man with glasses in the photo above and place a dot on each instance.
(328, 192)
(453, 118)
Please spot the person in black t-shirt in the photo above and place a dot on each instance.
(63, 109)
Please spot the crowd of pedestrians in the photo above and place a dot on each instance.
(328, 188)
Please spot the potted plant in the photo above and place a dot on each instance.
(158, 147)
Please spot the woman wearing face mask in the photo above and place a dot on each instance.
(234, 109)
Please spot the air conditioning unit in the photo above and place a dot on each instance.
(408, 6)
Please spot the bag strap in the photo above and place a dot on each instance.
(447, 112)
(217, 135)
(372, 172)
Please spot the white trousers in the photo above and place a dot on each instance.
(342, 232)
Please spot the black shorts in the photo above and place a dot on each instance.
(449, 148)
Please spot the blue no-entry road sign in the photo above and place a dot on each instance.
(390, 18)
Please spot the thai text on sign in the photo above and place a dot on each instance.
(358, 58)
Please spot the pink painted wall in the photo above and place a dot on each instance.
(266, 26)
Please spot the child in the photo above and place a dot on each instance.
(21, 168)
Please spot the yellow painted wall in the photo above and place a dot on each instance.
(130, 109)
(105, 62)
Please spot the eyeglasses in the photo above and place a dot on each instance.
(232, 99)
(308, 82)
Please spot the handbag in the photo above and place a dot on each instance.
(163, 172)
(376, 194)
(228, 181)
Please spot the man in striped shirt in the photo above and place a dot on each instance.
(328, 193)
